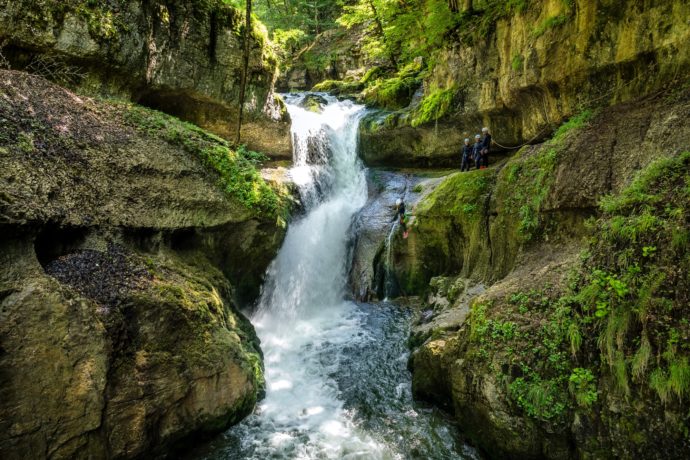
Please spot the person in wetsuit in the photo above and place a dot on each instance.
(466, 156)
(486, 146)
(477, 151)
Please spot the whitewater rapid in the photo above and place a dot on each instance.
(337, 386)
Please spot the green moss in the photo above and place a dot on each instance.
(550, 23)
(461, 194)
(517, 62)
(525, 183)
(339, 87)
(434, 106)
(392, 93)
(237, 174)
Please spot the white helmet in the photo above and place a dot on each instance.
(485, 130)
(398, 202)
(467, 139)
(477, 136)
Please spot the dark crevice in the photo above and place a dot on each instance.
(213, 37)
(54, 241)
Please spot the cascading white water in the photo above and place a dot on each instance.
(337, 383)
(302, 307)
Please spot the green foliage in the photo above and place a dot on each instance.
(530, 174)
(517, 62)
(541, 399)
(287, 42)
(434, 105)
(541, 389)
(583, 387)
(236, 172)
(630, 289)
(550, 23)
(312, 17)
(419, 188)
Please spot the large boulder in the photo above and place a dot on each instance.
(129, 242)
(183, 57)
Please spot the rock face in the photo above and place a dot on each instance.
(334, 55)
(536, 69)
(375, 228)
(476, 224)
(122, 265)
(556, 357)
(183, 57)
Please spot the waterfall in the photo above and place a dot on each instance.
(302, 318)
(337, 384)
(388, 283)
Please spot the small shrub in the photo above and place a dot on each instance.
(550, 23)
(582, 385)
(517, 62)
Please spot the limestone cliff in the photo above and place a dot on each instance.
(533, 70)
(124, 249)
(555, 329)
(183, 57)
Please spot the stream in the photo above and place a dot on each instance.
(337, 384)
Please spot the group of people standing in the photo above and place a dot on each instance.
(477, 152)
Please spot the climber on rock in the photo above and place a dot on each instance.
(466, 156)
(486, 146)
(401, 216)
(477, 151)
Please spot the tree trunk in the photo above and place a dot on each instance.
(381, 31)
(467, 6)
(245, 66)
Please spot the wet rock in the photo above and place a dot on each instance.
(478, 226)
(313, 103)
(373, 226)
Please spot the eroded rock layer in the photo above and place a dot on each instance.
(126, 248)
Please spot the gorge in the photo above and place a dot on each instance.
(167, 292)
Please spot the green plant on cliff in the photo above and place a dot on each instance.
(583, 387)
(635, 277)
(531, 339)
(237, 175)
(529, 175)
(550, 23)
(434, 105)
(395, 92)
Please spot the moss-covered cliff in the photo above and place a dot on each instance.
(129, 239)
(183, 57)
(525, 72)
(560, 329)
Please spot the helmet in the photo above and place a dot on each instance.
(467, 139)
(485, 130)
(477, 136)
(398, 202)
